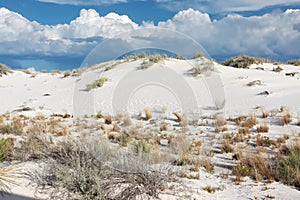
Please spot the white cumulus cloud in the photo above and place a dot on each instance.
(84, 2)
(219, 6)
(21, 36)
(273, 35)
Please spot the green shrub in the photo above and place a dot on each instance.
(288, 167)
(141, 146)
(243, 61)
(12, 128)
(6, 149)
(123, 139)
(96, 84)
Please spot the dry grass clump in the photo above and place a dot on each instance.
(255, 166)
(284, 167)
(108, 119)
(185, 159)
(285, 119)
(250, 121)
(182, 119)
(265, 113)
(4, 70)
(148, 114)
(244, 61)
(178, 116)
(226, 147)
(116, 127)
(126, 120)
(6, 149)
(266, 141)
(208, 166)
(239, 120)
(7, 178)
(96, 84)
(210, 189)
(164, 126)
(244, 131)
(262, 129)
(220, 123)
(92, 170)
(180, 144)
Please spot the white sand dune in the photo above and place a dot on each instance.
(48, 94)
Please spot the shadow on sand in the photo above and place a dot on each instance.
(15, 197)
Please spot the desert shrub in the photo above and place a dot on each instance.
(4, 70)
(149, 60)
(123, 139)
(6, 149)
(294, 62)
(67, 73)
(141, 146)
(255, 166)
(277, 69)
(241, 170)
(92, 170)
(33, 147)
(288, 166)
(243, 61)
(96, 84)
(11, 128)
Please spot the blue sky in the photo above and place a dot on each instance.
(60, 33)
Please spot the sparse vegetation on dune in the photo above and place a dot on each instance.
(88, 170)
(96, 84)
(283, 167)
(244, 61)
(294, 62)
(4, 70)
